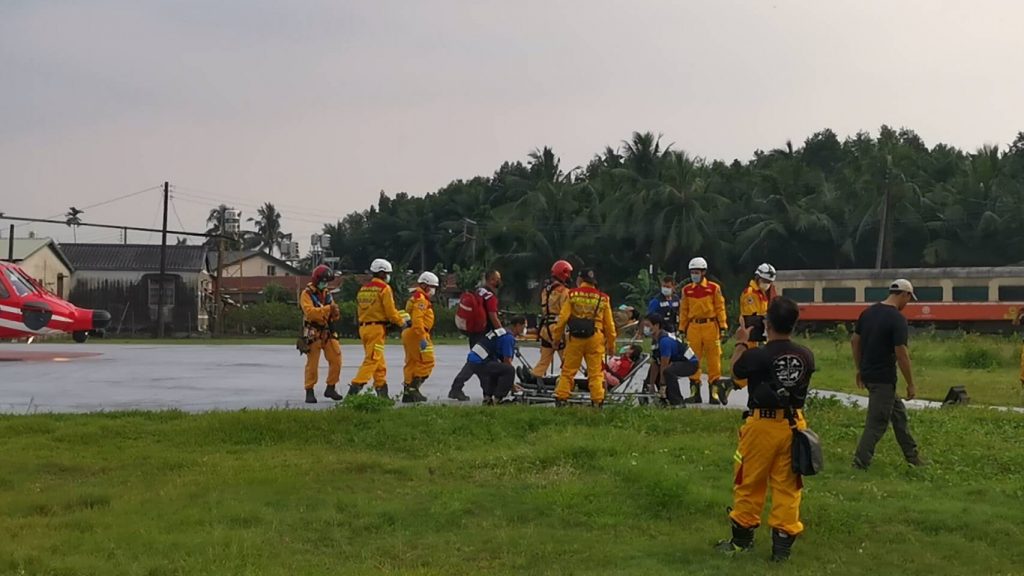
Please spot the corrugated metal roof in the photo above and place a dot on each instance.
(134, 257)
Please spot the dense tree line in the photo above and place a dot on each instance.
(819, 205)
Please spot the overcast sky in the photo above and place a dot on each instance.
(318, 105)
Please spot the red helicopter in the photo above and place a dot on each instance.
(27, 310)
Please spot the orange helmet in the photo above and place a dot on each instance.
(561, 270)
(322, 273)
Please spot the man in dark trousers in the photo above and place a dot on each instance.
(488, 294)
(879, 345)
(491, 361)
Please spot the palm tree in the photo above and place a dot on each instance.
(73, 220)
(268, 234)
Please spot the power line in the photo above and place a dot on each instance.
(98, 204)
(218, 197)
(175, 209)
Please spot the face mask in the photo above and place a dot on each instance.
(431, 292)
(695, 278)
(387, 278)
(648, 330)
(764, 286)
(666, 291)
(322, 286)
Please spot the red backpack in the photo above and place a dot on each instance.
(471, 316)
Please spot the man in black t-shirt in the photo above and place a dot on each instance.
(778, 376)
(879, 345)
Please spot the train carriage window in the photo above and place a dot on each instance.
(876, 294)
(838, 294)
(1011, 293)
(928, 293)
(799, 294)
(970, 294)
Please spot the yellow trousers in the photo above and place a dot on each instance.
(332, 352)
(373, 365)
(418, 363)
(578, 350)
(764, 459)
(547, 356)
(705, 342)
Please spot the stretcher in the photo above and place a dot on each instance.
(542, 390)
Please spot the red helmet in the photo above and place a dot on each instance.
(322, 273)
(561, 270)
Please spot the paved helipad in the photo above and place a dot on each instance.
(89, 378)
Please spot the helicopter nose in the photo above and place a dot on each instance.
(100, 319)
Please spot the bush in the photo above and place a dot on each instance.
(974, 355)
(264, 318)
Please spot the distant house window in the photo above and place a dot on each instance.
(271, 270)
(970, 294)
(154, 293)
(838, 294)
(799, 294)
(60, 284)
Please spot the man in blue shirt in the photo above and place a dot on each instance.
(666, 304)
(675, 359)
(491, 359)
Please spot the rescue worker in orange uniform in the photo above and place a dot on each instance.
(319, 313)
(551, 300)
(779, 376)
(417, 341)
(702, 318)
(753, 308)
(376, 310)
(587, 313)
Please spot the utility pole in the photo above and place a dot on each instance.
(163, 266)
(884, 242)
(218, 306)
(124, 236)
(466, 223)
(10, 245)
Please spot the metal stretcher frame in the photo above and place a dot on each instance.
(629, 390)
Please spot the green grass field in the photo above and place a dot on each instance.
(517, 490)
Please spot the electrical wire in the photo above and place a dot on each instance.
(98, 204)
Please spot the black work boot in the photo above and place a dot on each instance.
(382, 392)
(332, 393)
(695, 395)
(782, 545)
(310, 397)
(722, 389)
(561, 403)
(412, 395)
(457, 394)
(354, 389)
(742, 540)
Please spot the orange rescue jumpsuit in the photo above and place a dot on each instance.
(376, 307)
(702, 318)
(418, 363)
(318, 313)
(551, 301)
(753, 302)
(585, 302)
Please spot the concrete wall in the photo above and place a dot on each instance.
(254, 266)
(48, 268)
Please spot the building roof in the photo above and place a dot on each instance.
(232, 257)
(134, 257)
(26, 247)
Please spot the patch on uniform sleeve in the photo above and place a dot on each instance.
(750, 300)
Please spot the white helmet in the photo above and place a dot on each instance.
(380, 265)
(698, 263)
(765, 272)
(430, 279)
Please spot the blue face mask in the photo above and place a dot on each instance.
(695, 278)
(648, 330)
(322, 286)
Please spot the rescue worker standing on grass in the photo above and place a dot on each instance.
(702, 318)
(376, 306)
(779, 376)
(319, 313)
(587, 313)
(551, 300)
(753, 309)
(417, 341)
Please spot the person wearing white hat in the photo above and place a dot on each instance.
(416, 339)
(880, 345)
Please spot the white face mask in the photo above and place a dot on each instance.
(387, 278)
(695, 278)
(764, 286)
(431, 292)
(648, 330)
(666, 291)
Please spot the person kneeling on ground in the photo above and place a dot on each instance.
(778, 376)
(675, 359)
(491, 359)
